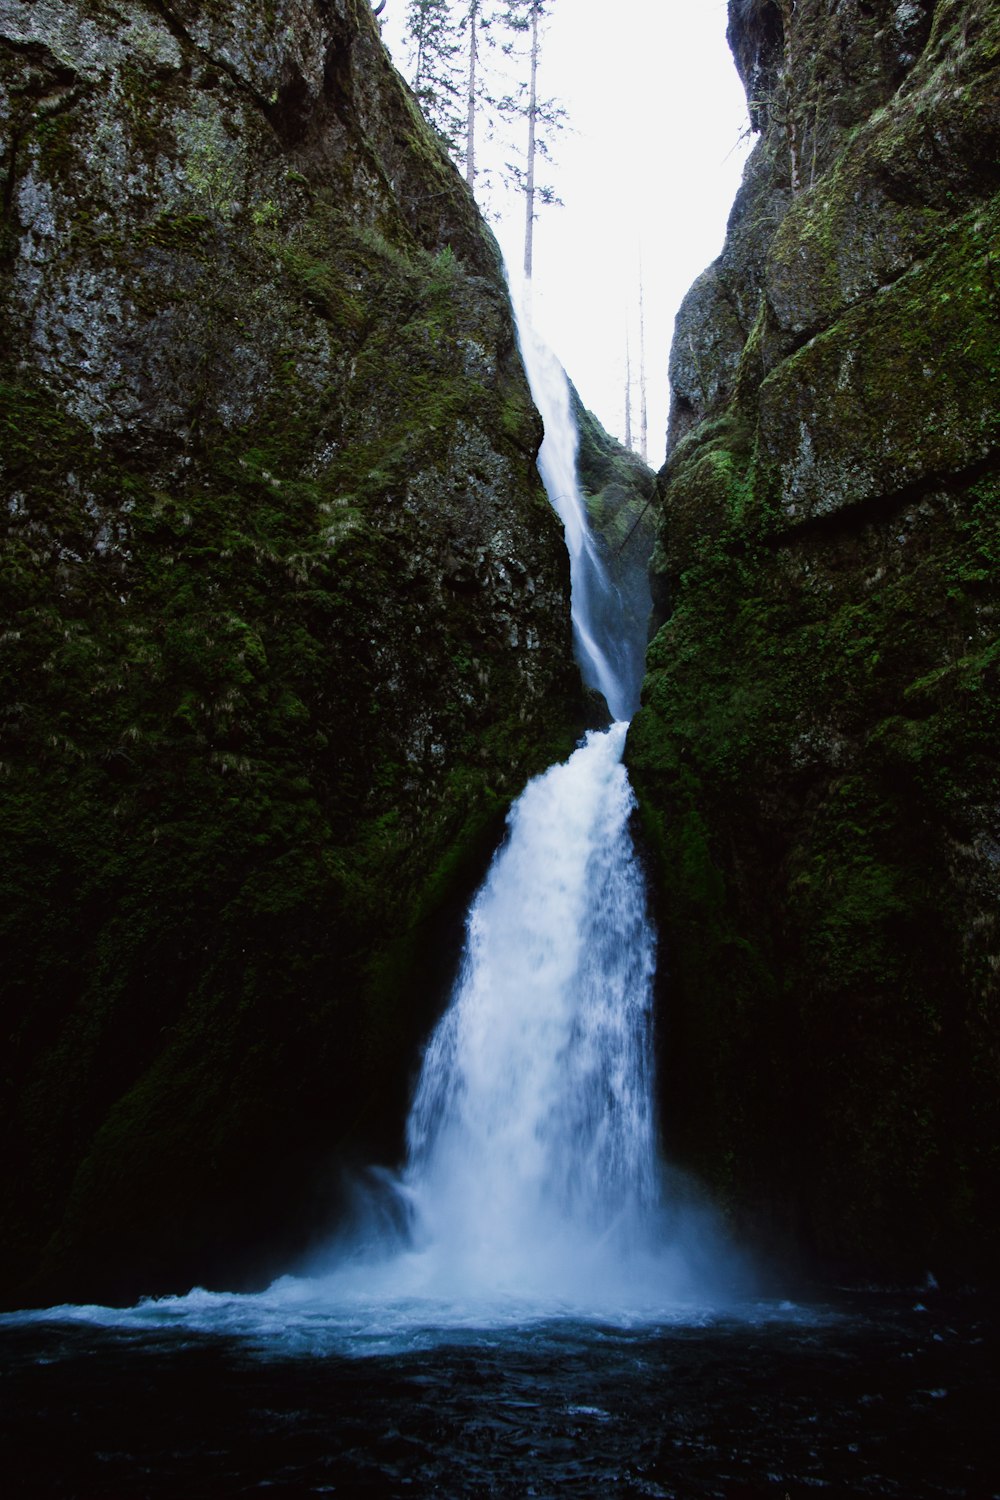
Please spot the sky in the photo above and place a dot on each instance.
(647, 170)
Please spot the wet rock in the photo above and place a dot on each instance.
(815, 753)
(288, 620)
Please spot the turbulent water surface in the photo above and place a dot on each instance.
(884, 1394)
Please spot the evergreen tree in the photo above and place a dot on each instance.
(472, 23)
(448, 40)
(435, 47)
(487, 27)
(543, 116)
(643, 418)
(456, 48)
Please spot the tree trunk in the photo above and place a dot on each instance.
(643, 423)
(470, 116)
(791, 128)
(529, 181)
(628, 392)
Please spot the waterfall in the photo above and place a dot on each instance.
(531, 1139)
(532, 1183)
(532, 1186)
(599, 632)
(532, 1163)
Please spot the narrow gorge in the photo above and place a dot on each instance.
(498, 948)
(287, 628)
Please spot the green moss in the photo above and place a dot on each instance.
(262, 713)
(869, 406)
(803, 759)
(815, 755)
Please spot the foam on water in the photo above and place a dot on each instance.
(354, 1314)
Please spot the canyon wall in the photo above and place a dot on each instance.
(285, 621)
(817, 752)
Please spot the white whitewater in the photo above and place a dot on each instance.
(532, 1160)
(598, 618)
(532, 1189)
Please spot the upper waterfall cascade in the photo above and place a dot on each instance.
(599, 630)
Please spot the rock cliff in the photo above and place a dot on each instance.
(285, 618)
(817, 752)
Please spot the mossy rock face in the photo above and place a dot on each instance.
(286, 621)
(899, 389)
(815, 758)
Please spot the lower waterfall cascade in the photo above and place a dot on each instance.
(531, 1138)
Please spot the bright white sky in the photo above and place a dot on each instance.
(649, 166)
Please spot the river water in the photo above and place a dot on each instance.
(878, 1393)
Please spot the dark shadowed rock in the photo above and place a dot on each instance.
(816, 757)
(285, 620)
